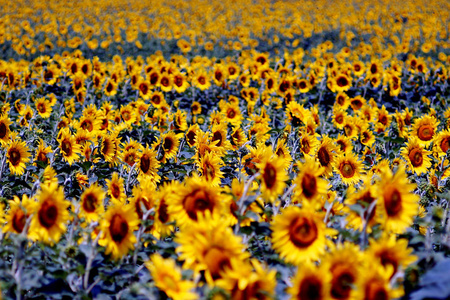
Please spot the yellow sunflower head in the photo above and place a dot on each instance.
(91, 206)
(17, 155)
(416, 156)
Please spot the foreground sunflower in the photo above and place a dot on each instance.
(50, 215)
(195, 197)
(311, 283)
(17, 155)
(424, 129)
(4, 128)
(298, 234)
(209, 245)
(396, 200)
(167, 277)
(248, 280)
(309, 185)
(117, 227)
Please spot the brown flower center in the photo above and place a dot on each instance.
(168, 144)
(47, 214)
(90, 202)
(216, 260)
(118, 228)
(14, 157)
(145, 163)
(303, 232)
(310, 289)
(324, 157)
(347, 169)
(425, 132)
(392, 201)
(342, 81)
(18, 221)
(309, 185)
(445, 144)
(197, 201)
(270, 175)
(66, 147)
(415, 156)
(341, 284)
(375, 290)
(163, 215)
(115, 190)
(3, 130)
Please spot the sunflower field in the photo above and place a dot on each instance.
(242, 149)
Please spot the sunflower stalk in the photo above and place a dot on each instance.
(241, 207)
(2, 164)
(90, 260)
(127, 186)
(17, 265)
(139, 234)
(364, 235)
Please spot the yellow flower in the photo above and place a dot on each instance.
(298, 235)
(209, 167)
(309, 185)
(50, 215)
(4, 129)
(273, 176)
(396, 200)
(311, 282)
(17, 156)
(19, 212)
(424, 129)
(69, 148)
(117, 227)
(167, 277)
(349, 167)
(92, 203)
(416, 156)
(327, 155)
(116, 189)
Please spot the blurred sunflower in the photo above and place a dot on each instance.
(391, 253)
(19, 212)
(195, 197)
(416, 156)
(43, 107)
(441, 142)
(344, 261)
(148, 165)
(209, 167)
(209, 245)
(91, 199)
(117, 227)
(4, 129)
(310, 283)
(298, 234)
(396, 200)
(17, 156)
(375, 285)
(168, 144)
(167, 277)
(50, 214)
(248, 280)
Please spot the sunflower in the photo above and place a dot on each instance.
(273, 176)
(296, 114)
(424, 129)
(43, 107)
(157, 99)
(4, 129)
(148, 165)
(163, 224)
(375, 285)
(117, 227)
(191, 134)
(194, 198)
(391, 252)
(168, 144)
(311, 283)
(342, 101)
(50, 215)
(232, 114)
(308, 144)
(309, 185)
(367, 137)
(338, 117)
(441, 142)
(108, 148)
(116, 188)
(344, 262)
(17, 156)
(341, 83)
(248, 280)
(19, 212)
(349, 167)
(344, 143)
(209, 167)
(69, 148)
(42, 151)
(167, 277)
(209, 245)
(364, 197)
(416, 156)
(298, 235)
(201, 80)
(396, 200)
(238, 138)
(219, 135)
(327, 154)
(90, 123)
(91, 207)
(180, 82)
(110, 88)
